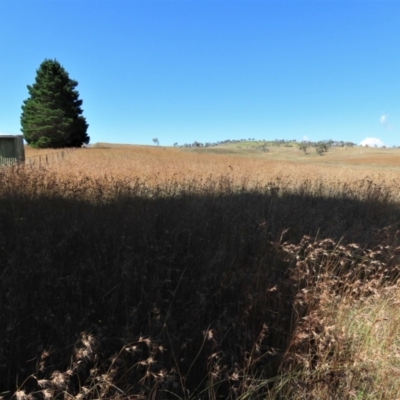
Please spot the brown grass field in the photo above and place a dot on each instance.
(344, 164)
(142, 272)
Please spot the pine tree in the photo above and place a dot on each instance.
(52, 115)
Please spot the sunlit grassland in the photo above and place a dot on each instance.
(157, 164)
(355, 156)
(154, 273)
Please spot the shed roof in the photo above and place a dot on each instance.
(5, 135)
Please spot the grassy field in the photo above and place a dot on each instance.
(247, 157)
(366, 156)
(140, 272)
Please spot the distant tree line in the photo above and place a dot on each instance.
(213, 144)
(323, 146)
(320, 147)
(276, 142)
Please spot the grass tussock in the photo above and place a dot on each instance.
(345, 344)
(160, 274)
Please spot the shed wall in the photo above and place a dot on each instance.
(11, 150)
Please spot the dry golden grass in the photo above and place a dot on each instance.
(189, 274)
(346, 345)
(339, 168)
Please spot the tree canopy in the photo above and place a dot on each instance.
(52, 114)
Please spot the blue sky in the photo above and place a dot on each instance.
(210, 70)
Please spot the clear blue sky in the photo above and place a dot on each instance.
(209, 70)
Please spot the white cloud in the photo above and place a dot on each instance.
(305, 139)
(372, 142)
(384, 121)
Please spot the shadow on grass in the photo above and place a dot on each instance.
(193, 286)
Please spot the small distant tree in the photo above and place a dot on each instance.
(322, 147)
(52, 114)
(303, 146)
(320, 150)
(156, 141)
(263, 147)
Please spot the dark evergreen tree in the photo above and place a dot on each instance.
(52, 115)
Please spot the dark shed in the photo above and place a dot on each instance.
(12, 149)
